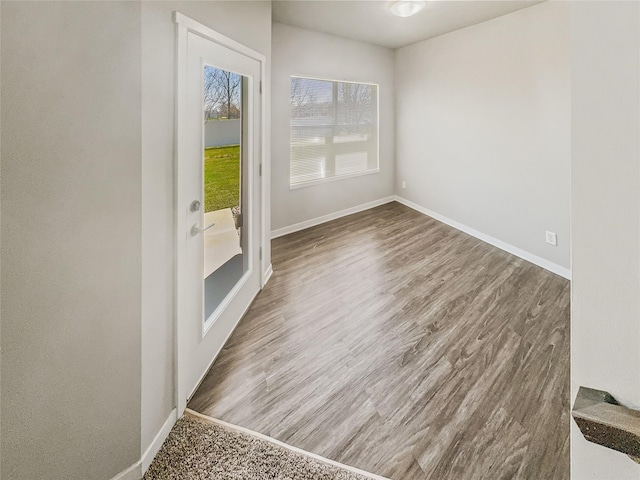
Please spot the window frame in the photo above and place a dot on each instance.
(334, 178)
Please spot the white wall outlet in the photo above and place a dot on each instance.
(404, 184)
(552, 239)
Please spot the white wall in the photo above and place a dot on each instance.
(248, 23)
(71, 196)
(298, 51)
(483, 127)
(222, 132)
(87, 243)
(605, 218)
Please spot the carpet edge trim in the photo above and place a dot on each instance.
(274, 441)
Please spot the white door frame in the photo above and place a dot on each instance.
(185, 25)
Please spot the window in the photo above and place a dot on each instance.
(334, 130)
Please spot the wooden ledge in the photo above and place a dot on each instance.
(604, 421)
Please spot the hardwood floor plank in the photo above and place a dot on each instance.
(396, 344)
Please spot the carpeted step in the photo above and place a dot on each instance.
(200, 447)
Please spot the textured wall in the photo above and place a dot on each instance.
(71, 216)
(605, 218)
(297, 51)
(483, 128)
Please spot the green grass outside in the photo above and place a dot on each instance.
(221, 177)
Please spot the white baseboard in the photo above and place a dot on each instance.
(296, 227)
(131, 473)
(261, 436)
(529, 257)
(161, 436)
(138, 469)
(267, 275)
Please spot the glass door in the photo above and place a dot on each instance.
(218, 204)
(223, 163)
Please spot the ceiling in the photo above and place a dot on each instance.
(372, 22)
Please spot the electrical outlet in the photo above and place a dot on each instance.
(404, 184)
(552, 239)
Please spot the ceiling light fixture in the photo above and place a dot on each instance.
(406, 9)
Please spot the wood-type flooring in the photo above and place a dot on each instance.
(393, 343)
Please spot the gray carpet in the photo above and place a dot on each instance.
(199, 449)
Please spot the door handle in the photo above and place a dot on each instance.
(196, 229)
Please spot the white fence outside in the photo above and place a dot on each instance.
(222, 132)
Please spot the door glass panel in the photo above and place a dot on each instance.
(225, 250)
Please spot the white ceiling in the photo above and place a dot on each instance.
(372, 22)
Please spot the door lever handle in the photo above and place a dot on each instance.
(196, 229)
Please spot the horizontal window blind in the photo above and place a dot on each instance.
(334, 129)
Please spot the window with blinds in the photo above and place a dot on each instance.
(334, 130)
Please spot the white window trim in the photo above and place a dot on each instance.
(335, 178)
